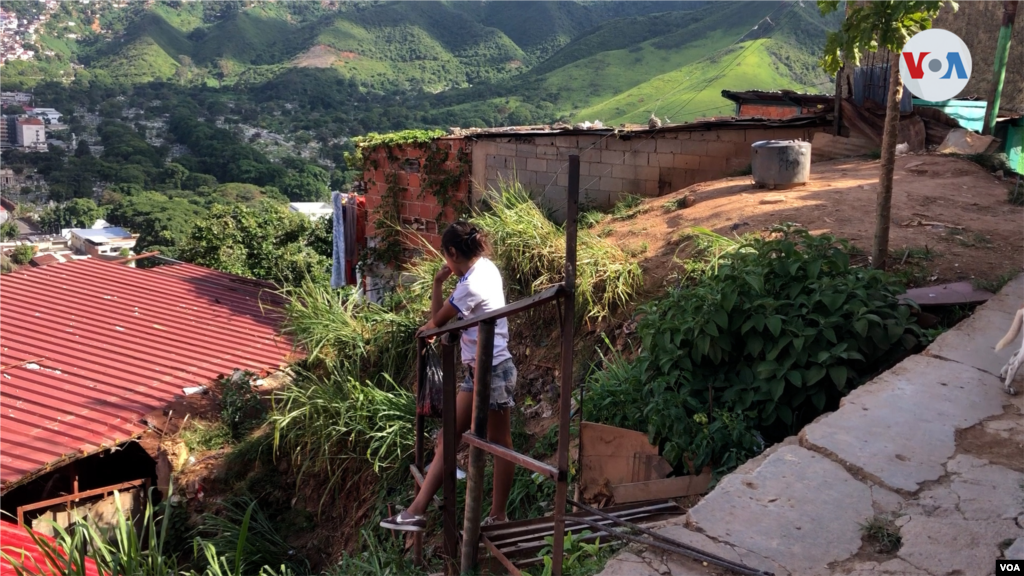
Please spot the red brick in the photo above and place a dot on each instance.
(414, 180)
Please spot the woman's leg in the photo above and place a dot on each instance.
(499, 431)
(432, 482)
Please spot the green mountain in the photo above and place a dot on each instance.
(465, 63)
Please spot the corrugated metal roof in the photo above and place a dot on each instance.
(20, 546)
(779, 96)
(93, 346)
(44, 259)
(730, 122)
(101, 234)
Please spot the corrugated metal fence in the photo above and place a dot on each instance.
(872, 83)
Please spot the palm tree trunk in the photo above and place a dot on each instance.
(880, 250)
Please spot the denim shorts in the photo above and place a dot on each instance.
(503, 384)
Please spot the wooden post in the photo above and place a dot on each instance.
(421, 369)
(999, 72)
(837, 112)
(477, 457)
(449, 514)
(568, 337)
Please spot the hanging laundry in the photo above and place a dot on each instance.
(338, 266)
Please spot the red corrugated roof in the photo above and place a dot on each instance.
(16, 543)
(112, 344)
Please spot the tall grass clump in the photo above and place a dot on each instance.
(364, 339)
(261, 546)
(124, 550)
(530, 251)
(324, 422)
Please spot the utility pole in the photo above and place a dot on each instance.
(999, 72)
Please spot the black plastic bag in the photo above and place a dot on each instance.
(431, 393)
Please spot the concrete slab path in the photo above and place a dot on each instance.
(934, 442)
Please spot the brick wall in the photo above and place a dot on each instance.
(418, 212)
(778, 111)
(612, 167)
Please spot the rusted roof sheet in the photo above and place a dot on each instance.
(782, 96)
(90, 347)
(44, 259)
(725, 122)
(19, 545)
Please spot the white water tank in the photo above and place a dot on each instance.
(780, 164)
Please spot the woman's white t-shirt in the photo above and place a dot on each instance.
(480, 291)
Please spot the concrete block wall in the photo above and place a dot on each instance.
(611, 167)
(419, 212)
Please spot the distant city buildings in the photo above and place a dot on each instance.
(47, 115)
(19, 98)
(105, 243)
(30, 133)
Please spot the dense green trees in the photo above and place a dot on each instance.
(76, 213)
(8, 231)
(161, 222)
(264, 241)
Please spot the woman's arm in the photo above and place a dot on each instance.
(437, 295)
(441, 310)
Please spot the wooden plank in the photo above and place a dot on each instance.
(662, 489)
(477, 456)
(449, 513)
(507, 530)
(548, 295)
(520, 545)
(572, 201)
(608, 456)
(512, 456)
(417, 537)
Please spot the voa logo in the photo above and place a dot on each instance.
(936, 65)
(1008, 567)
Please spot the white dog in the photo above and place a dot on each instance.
(1010, 370)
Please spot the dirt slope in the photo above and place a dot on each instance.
(981, 235)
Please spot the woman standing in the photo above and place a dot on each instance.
(480, 290)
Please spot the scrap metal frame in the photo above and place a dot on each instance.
(75, 496)
(476, 436)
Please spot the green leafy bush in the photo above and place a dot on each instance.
(23, 254)
(579, 557)
(771, 330)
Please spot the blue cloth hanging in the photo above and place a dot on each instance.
(338, 271)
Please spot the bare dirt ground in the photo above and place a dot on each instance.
(322, 56)
(950, 217)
